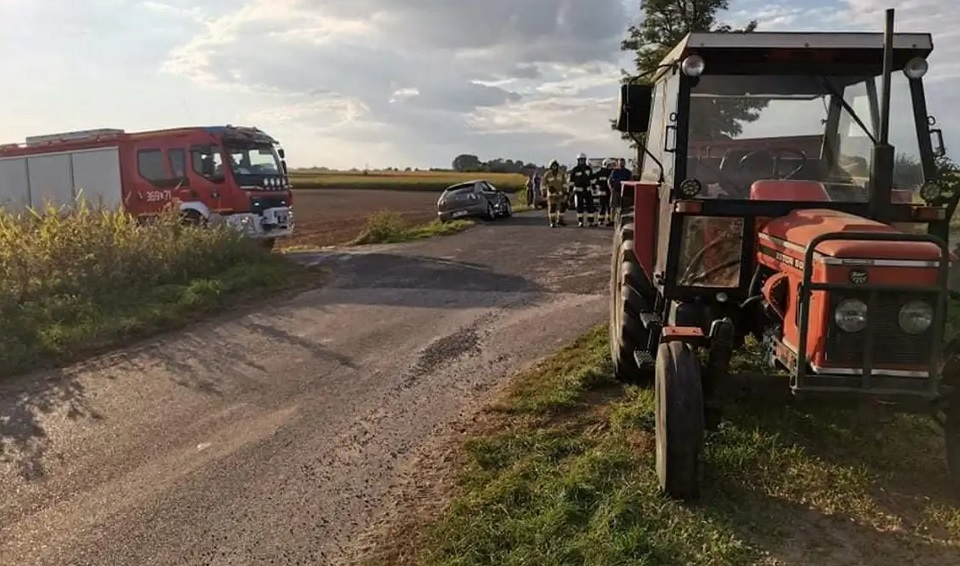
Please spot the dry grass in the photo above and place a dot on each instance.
(388, 227)
(74, 283)
(400, 180)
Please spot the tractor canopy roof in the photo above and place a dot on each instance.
(766, 52)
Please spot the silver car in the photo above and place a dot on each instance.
(473, 199)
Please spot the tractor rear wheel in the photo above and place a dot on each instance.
(952, 441)
(680, 420)
(628, 298)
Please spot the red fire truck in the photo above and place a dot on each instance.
(221, 174)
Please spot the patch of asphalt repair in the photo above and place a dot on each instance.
(277, 437)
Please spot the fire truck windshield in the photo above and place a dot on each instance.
(747, 128)
(253, 159)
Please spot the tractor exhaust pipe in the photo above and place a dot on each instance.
(881, 174)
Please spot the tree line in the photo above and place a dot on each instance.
(468, 163)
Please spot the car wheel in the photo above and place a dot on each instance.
(491, 213)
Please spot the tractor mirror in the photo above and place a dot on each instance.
(635, 102)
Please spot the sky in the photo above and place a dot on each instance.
(377, 83)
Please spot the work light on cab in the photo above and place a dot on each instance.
(690, 188)
(916, 68)
(851, 315)
(931, 191)
(916, 317)
(693, 66)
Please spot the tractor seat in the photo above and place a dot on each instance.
(793, 189)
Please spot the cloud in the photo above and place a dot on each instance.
(389, 82)
(422, 72)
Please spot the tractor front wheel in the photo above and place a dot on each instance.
(680, 420)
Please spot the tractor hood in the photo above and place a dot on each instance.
(800, 227)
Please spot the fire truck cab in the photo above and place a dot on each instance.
(213, 175)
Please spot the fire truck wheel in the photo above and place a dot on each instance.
(680, 421)
(192, 218)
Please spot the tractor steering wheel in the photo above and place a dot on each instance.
(775, 154)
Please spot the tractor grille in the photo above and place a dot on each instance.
(892, 346)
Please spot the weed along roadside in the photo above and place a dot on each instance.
(73, 285)
(561, 471)
(388, 227)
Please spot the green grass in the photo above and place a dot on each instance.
(389, 227)
(432, 181)
(563, 474)
(75, 284)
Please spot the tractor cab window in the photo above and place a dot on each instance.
(854, 141)
(710, 255)
(747, 128)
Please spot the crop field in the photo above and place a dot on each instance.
(399, 180)
(337, 216)
(76, 284)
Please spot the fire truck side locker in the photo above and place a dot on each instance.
(59, 178)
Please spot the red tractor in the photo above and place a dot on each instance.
(771, 203)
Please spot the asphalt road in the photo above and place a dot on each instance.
(274, 437)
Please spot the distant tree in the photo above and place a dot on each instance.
(907, 172)
(466, 162)
(664, 24)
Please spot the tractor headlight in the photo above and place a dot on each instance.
(693, 66)
(916, 317)
(690, 188)
(851, 315)
(916, 68)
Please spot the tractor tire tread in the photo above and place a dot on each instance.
(679, 421)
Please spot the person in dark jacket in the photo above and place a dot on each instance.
(582, 179)
(601, 192)
(617, 176)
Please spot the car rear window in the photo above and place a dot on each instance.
(460, 189)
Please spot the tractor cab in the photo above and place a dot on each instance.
(788, 191)
(746, 127)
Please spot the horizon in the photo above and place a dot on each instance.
(412, 86)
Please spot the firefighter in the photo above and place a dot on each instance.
(581, 182)
(554, 183)
(601, 193)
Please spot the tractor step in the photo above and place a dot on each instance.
(649, 318)
(643, 358)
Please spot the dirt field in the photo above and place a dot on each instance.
(327, 217)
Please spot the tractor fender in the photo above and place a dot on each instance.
(692, 335)
(644, 225)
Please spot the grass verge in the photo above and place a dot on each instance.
(389, 227)
(563, 474)
(73, 285)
